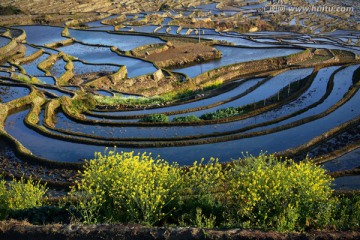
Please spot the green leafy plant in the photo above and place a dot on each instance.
(9, 10)
(224, 113)
(3, 200)
(346, 214)
(201, 194)
(155, 118)
(202, 221)
(190, 118)
(164, 7)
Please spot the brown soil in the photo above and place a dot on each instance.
(20, 230)
(179, 53)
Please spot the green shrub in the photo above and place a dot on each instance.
(9, 10)
(155, 118)
(203, 221)
(21, 194)
(268, 193)
(83, 102)
(3, 200)
(201, 202)
(164, 7)
(42, 215)
(124, 187)
(224, 113)
(347, 213)
(190, 118)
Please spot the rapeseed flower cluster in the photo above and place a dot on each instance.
(263, 191)
(20, 194)
(128, 187)
(277, 194)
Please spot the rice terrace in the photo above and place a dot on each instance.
(252, 104)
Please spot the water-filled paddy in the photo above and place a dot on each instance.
(166, 21)
(103, 55)
(347, 183)
(58, 93)
(145, 29)
(30, 50)
(313, 94)
(9, 93)
(104, 93)
(266, 90)
(82, 68)
(168, 30)
(47, 80)
(232, 93)
(58, 68)
(266, 40)
(41, 35)
(46, 147)
(4, 41)
(123, 42)
(231, 55)
(238, 41)
(342, 83)
(32, 69)
(94, 49)
(329, 46)
(273, 142)
(348, 161)
(98, 23)
(4, 74)
(316, 90)
(207, 7)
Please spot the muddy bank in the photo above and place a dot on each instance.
(179, 54)
(18, 230)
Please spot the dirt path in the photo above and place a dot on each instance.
(18, 231)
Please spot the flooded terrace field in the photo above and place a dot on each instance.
(278, 92)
